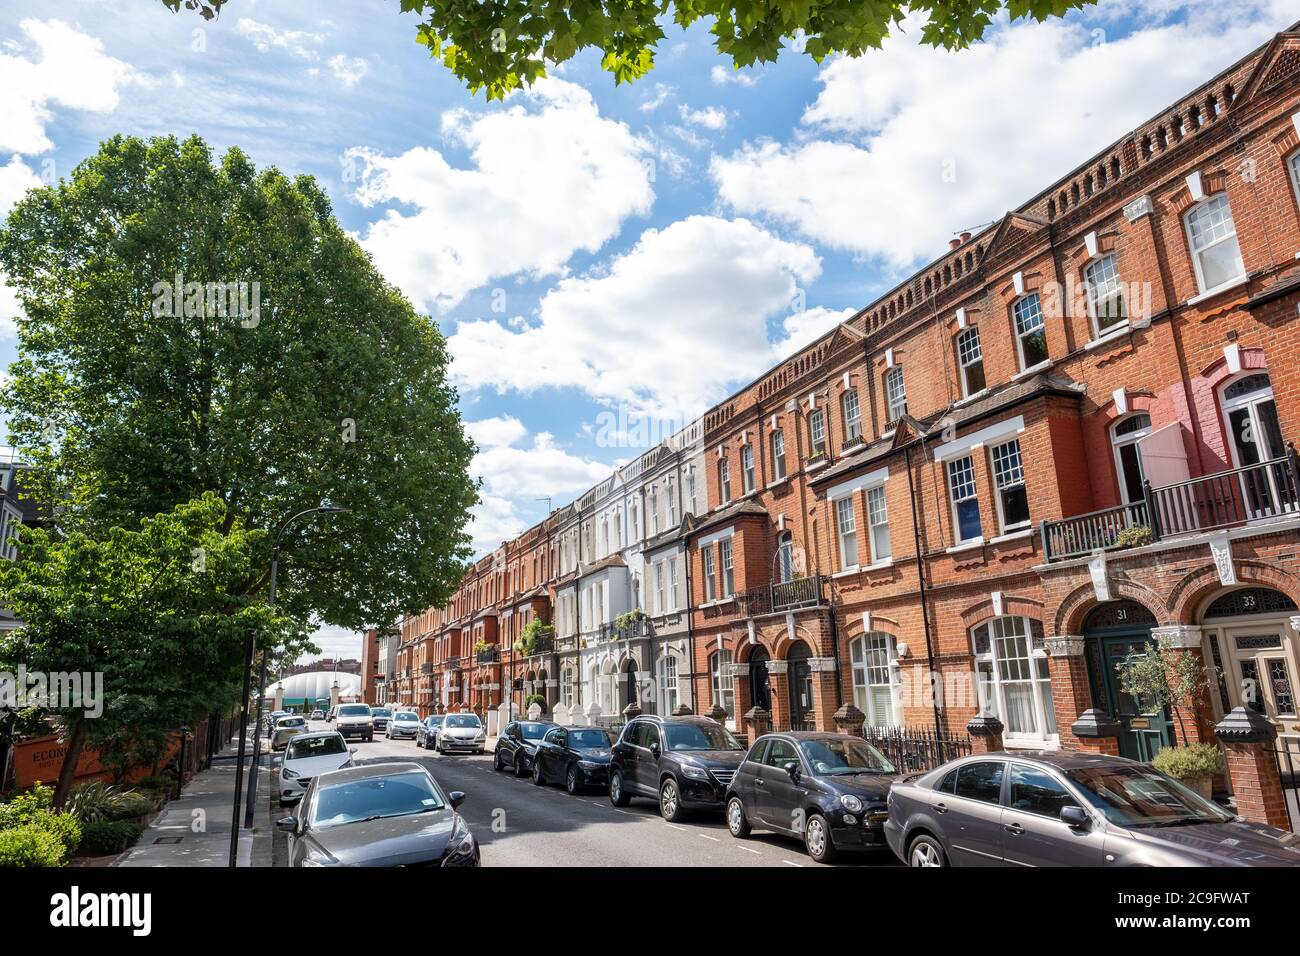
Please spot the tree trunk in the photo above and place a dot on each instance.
(68, 772)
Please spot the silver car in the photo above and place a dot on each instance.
(1069, 808)
(287, 728)
(463, 733)
(404, 723)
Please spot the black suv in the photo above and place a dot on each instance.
(517, 745)
(686, 763)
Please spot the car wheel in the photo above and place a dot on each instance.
(537, 773)
(370, 738)
(670, 801)
(520, 767)
(737, 822)
(617, 795)
(497, 765)
(926, 851)
(571, 779)
(817, 839)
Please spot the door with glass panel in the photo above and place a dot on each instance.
(799, 677)
(1255, 437)
(1147, 725)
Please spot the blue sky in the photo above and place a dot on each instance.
(594, 252)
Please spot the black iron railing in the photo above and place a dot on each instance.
(489, 655)
(625, 632)
(912, 750)
(1226, 499)
(786, 596)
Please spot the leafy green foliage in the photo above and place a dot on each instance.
(1164, 677)
(332, 388)
(96, 800)
(533, 632)
(498, 45)
(537, 699)
(33, 810)
(109, 836)
(1193, 762)
(31, 845)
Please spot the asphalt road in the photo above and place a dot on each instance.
(520, 824)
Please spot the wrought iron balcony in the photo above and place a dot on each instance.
(489, 655)
(784, 596)
(426, 667)
(1226, 499)
(627, 632)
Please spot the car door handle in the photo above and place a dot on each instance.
(1015, 829)
(940, 808)
(758, 781)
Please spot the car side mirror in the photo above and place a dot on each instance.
(655, 751)
(792, 768)
(457, 797)
(352, 750)
(1075, 816)
(287, 824)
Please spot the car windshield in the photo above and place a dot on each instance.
(433, 721)
(306, 747)
(462, 720)
(834, 757)
(700, 737)
(381, 712)
(373, 798)
(291, 722)
(589, 739)
(406, 716)
(1138, 796)
(355, 710)
(534, 731)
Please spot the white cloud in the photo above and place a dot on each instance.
(265, 38)
(802, 328)
(15, 179)
(336, 642)
(662, 92)
(535, 472)
(866, 174)
(663, 330)
(550, 176)
(66, 68)
(348, 70)
(722, 75)
(710, 117)
(496, 432)
(492, 521)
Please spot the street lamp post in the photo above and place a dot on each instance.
(325, 507)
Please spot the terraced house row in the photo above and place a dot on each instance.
(1064, 442)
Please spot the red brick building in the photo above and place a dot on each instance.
(1064, 444)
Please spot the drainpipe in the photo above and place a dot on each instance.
(920, 577)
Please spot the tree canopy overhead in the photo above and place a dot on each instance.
(199, 326)
(499, 45)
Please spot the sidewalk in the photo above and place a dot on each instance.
(196, 827)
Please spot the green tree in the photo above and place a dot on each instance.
(498, 45)
(1163, 677)
(313, 379)
(164, 630)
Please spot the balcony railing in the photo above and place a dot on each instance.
(488, 655)
(1226, 499)
(627, 632)
(785, 596)
(426, 667)
(451, 664)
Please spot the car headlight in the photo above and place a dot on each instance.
(851, 803)
(694, 772)
(461, 849)
(589, 764)
(288, 774)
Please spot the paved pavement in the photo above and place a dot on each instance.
(194, 830)
(519, 824)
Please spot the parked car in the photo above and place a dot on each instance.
(1068, 808)
(354, 720)
(576, 756)
(268, 723)
(403, 724)
(380, 716)
(686, 763)
(318, 714)
(306, 757)
(286, 728)
(829, 790)
(461, 732)
(517, 745)
(426, 735)
(388, 814)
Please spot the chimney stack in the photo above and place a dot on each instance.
(953, 244)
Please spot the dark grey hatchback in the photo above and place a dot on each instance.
(827, 789)
(1069, 808)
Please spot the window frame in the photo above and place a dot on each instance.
(724, 480)
(722, 687)
(1118, 442)
(846, 531)
(817, 426)
(726, 568)
(1022, 335)
(863, 660)
(999, 489)
(748, 473)
(707, 570)
(873, 526)
(955, 502)
(964, 364)
(1207, 202)
(1091, 286)
(992, 693)
(778, 455)
(895, 404)
(853, 418)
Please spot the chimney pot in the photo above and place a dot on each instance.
(953, 243)
(965, 237)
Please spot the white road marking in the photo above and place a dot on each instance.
(792, 863)
(674, 827)
(705, 836)
(749, 849)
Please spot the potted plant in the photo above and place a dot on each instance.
(538, 698)
(1134, 536)
(1196, 765)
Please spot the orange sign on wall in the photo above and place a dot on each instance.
(41, 759)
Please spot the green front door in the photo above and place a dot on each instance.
(1146, 726)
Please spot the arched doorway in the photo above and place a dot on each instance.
(1249, 636)
(799, 672)
(760, 685)
(1119, 633)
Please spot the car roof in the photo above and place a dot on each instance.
(685, 719)
(1065, 759)
(290, 717)
(317, 733)
(582, 727)
(801, 735)
(367, 771)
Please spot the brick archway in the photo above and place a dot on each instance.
(1081, 601)
(1196, 588)
(1012, 605)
